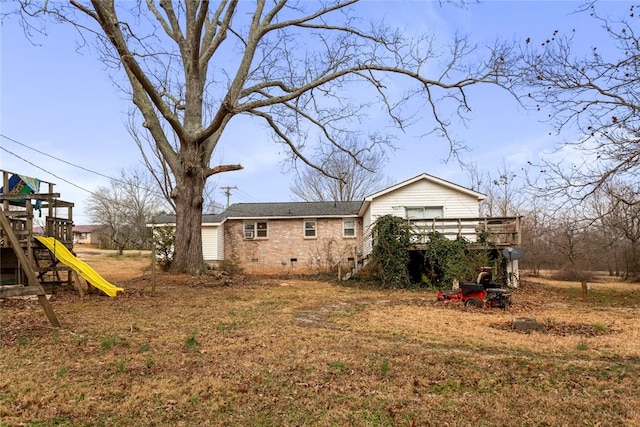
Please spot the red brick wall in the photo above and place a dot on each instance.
(286, 242)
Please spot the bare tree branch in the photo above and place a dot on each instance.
(359, 174)
(597, 94)
(310, 70)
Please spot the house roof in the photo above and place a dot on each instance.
(427, 177)
(274, 210)
(292, 210)
(312, 209)
(171, 219)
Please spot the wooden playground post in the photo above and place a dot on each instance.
(27, 267)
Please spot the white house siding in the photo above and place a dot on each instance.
(425, 193)
(367, 245)
(220, 236)
(422, 193)
(210, 243)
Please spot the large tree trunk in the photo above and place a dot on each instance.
(188, 256)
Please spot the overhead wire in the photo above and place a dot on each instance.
(72, 164)
(50, 173)
(95, 194)
(151, 190)
(247, 196)
(76, 166)
(54, 157)
(46, 171)
(236, 210)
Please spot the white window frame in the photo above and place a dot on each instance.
(314, 228)
(344, 228)
(427, 212)
(252, 230)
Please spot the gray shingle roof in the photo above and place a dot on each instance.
(171, 219)
(292, 209)
(276, 210)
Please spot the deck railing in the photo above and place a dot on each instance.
(479, 232)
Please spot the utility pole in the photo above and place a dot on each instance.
(227, 192)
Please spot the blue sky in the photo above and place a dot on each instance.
(61, 101)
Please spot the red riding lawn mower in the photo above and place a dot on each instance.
(481, 294)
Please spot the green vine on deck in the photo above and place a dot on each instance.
(448, 260)
(445, 260)
(391, 241)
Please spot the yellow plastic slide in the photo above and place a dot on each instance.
(65, 256)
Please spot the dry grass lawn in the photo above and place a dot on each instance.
(291, 352)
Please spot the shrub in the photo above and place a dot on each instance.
(163, 239)
(448, 260)
(391, 240)
(232, 265)
(444, 260)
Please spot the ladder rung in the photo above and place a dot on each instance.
(17, 214)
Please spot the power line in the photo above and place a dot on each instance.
(248, 196)
(243, 195)
(227, 192)
(154, 191)
(56, 158)
(97, 195)
(46, 171)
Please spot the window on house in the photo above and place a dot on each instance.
(349, 228)
(83, 235)
(425, 212)
(310, 228)
(254, 230)
(261, 229)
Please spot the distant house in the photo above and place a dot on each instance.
(86, 234)
(309, 237)
(81, 234)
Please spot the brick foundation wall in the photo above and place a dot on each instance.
(287, 251)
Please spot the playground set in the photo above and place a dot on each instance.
(31, 259)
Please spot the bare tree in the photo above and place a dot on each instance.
(302, 68)
(623, 220)
(159, 169)
(152, 158)
(568, 238)
(607, 241)
(476, 176)
(359, 173)
(537, 239)
(506, 195)
(595, 92)
(124, 208)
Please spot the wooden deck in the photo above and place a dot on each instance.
(481, 232)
